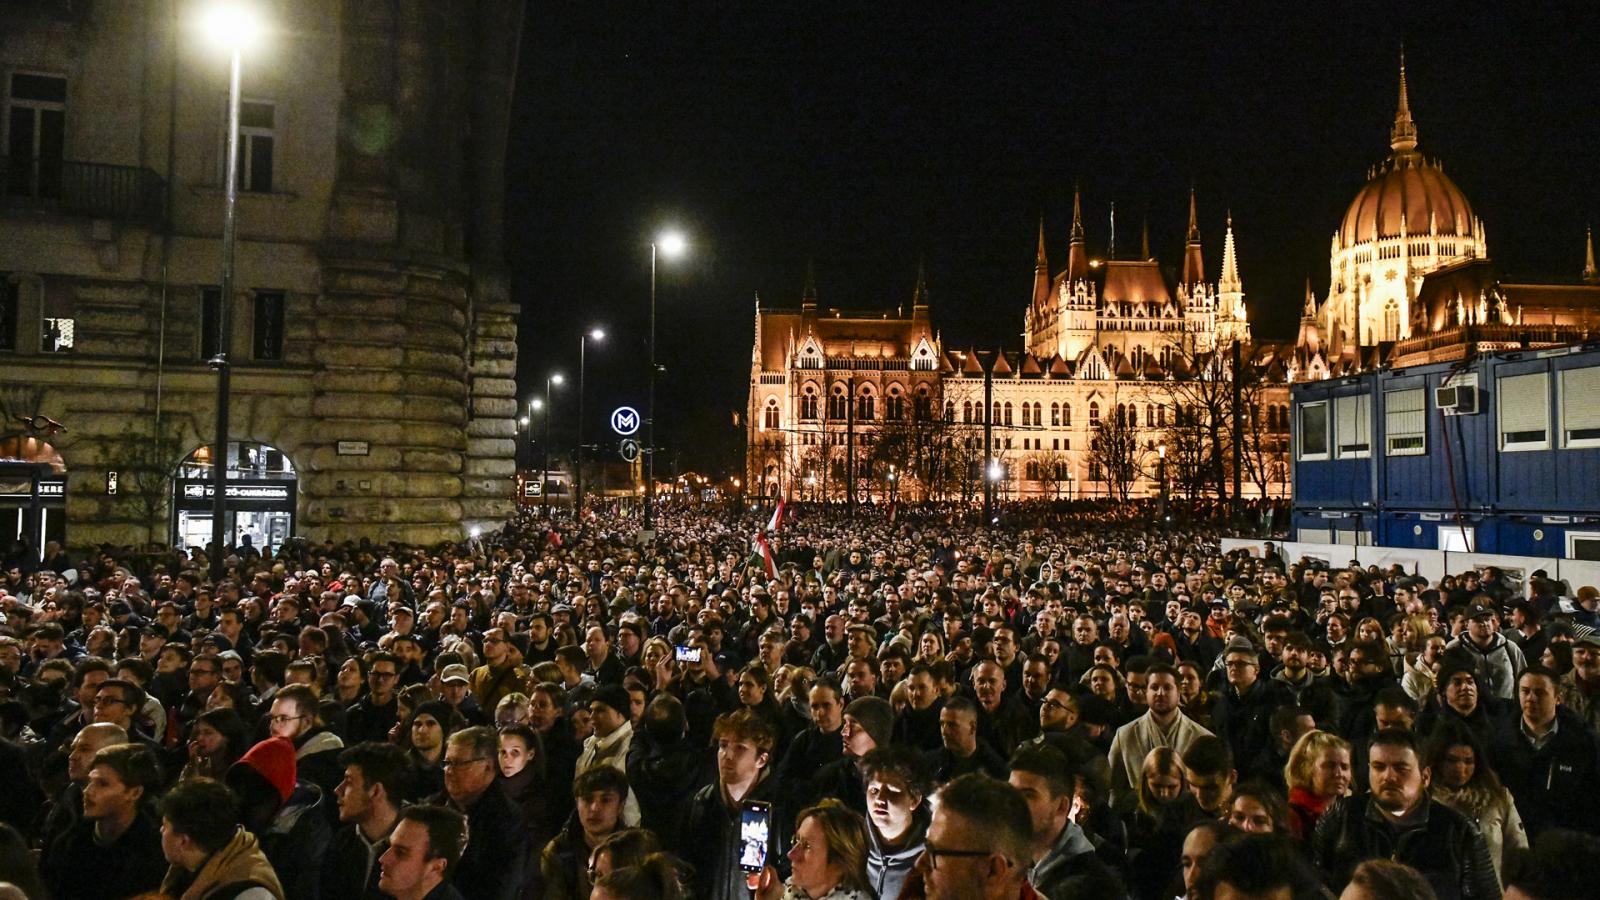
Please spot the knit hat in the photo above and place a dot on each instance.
(875, 715)
(1451, 665)
(614, 696)
(273, 760)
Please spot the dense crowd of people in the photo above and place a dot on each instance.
(1069, 701)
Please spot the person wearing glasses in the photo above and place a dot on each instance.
(293, 716)
(373, 716)
(494, 864)
(980, 843)
(828, 858)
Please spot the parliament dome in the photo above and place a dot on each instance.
(1409, 188)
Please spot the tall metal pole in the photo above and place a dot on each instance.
(220, 362)
(650, 409)
(577, 497)
(1238, 421)
(850, 447)
(988, 442)
(544, 465)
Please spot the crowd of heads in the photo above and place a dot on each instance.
(1067, 700)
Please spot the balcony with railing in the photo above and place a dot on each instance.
(69, 187)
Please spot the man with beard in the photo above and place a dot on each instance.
(1163, 725)
(1400, 822)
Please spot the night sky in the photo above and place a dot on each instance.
(868, 136)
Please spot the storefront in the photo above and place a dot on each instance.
(260, 497)
(33, 497)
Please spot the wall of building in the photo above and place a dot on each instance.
(380, 228)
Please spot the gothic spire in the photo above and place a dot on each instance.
(1403, 135)
(808, 296)
(1590, 273)
(1077, 252)
(1144, 238)
(919, 295)
(1041, 270)
(1309, 311)
(1111, 246)
(1229, 282)
(1194, 267)
(1077, 214)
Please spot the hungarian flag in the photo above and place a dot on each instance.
(761, 553)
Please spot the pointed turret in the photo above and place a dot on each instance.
(808, 294)
(1041, 271)
(1309, 311)
(919, 294)
(1077, 251)
(1194, 267)
(1591, 275)
(1403, 134)
(1111, 245)
(1229, 282)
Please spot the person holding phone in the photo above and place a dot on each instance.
(710, 838)
(828, 858)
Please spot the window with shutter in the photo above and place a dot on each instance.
(1523, 402)
(1352, 428)
(1405, 422)
(1580, 407)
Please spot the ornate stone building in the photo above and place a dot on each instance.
(1411, 281)
(374, 339)
(1106, 338)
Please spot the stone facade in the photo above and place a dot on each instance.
(369, 219)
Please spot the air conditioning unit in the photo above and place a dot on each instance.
(1461, 400)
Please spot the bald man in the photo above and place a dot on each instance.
(68, 806)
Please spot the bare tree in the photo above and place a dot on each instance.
(146, 465)
(1117, 454)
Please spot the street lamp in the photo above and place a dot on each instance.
(596, 335)
(233, 27)
(671, 245)
(1161, 473)
(544, 465)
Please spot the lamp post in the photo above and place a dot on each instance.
(233, 26)
(671, 245)
(597, 335)
(1161, 474)
(544, 464)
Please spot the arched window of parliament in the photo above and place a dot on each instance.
(950, 410)
(922, 406)
(1066, 415)
(1055, 415)
(1008, 412)
(836, 403)
(894, 406)
(866, 407)
(770, 418)
(808, 403)
(1391, 321)
(1094, 415)
(1038, 413)
(966, 412)
(1027, 415)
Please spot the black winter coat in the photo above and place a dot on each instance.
(1442, 844)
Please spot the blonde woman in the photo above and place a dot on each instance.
(1318, 773)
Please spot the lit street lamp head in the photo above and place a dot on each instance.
(536, 404)
(597, 334)
(672, 244)
(557, 378)
(523, 421)
(231, 25)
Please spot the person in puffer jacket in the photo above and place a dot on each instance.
(283, 814)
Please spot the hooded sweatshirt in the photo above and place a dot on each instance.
(887, 869)
(240, 867)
